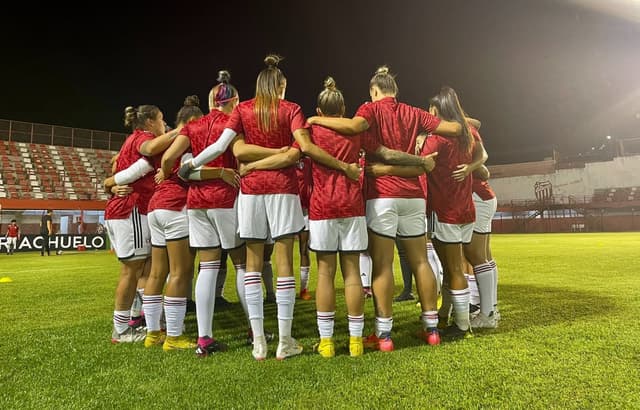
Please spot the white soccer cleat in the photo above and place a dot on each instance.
(287, 347)
(131, 335)
(259, 348)
(482, 321)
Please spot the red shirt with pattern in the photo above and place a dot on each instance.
(450, 200)
(305, 181)
(480, 187)
(334, 195)
(170, 194)
(394, 125)
(289, 119)
(212, 193)
(121, 207)
(13, 231)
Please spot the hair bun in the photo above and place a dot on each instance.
(224, 76)
(382, 70)
(272, 60)
(192, 101)
(129, 110)
(330, 83)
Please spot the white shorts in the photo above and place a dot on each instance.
(166, 225)
(484, 213)
(403, 217)
(130, 238)
(214, 228)
(269, 215)
(341, 234)
(305, 215)
(450, 233)
(12, 242)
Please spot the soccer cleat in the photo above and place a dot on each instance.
(305, 295)
(496, 314)
(177, 343)
(287, 347)
(474, 310)
(404, 296)
(356, 346)
(131, 335)
(367, 292)
(443, 322)
(208, 345)
(371, 341)
(259, 348)
(453, 332)
(384, 344)
(154, 337)
(431, 336)
(326, 347)
(482, 321)
(137, 321)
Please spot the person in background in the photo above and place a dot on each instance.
(13, 236)
(46, 230)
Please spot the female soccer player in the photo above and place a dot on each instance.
(450, 206)
(395, 205)
(126, 216)
(268, 204)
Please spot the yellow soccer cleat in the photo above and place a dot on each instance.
(356, 346)
(153, 338)
(178, 342)
(326, 347)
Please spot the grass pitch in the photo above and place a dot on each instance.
(568, 339)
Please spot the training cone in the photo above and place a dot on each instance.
(5, 279)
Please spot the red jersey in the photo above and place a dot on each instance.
(305, 181)
(480, 187)
(450, 200)
(13, 231)
(121, 207)
(170, 194)
(334, 195)
(212, 193)
(394, 125)
(289, 119)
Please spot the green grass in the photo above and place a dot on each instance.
(567, 339)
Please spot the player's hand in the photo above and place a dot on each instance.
(245, 168)
(185, 169)
(284, 149)
(159, 176)
(231, 177)
(376, 169)
(461, 172)
(420, 143)
(429, 162)
(353, 171)
(312, 120)
(121, 190)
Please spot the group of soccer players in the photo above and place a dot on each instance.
(227, 181)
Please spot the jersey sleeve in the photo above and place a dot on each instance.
(297, 120)
(235, 121)
(428, 121)
(366, 111)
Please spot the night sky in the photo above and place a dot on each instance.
(538, 74)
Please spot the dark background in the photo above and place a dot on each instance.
(539, 74)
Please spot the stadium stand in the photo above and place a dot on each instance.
(38, 171)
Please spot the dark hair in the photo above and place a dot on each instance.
(13, 220)
(268, 86)
(135, 118)
(223, 93)
(330, 100)
(449, 109)
(386, 82)
(191, 108)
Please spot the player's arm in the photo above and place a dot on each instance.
(159, 143)
(345, 126)
(249, 152)
(395, 157)
(378, 170)
(480, 156)
(277, 161)
(49, 226)
(321, 156)
(131, 174)
(482, 173)
(171, 155)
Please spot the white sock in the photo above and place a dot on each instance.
(253, 296)
(136, 307)
(474, 293)
(460, 301)
(285, 298)
(325, 321)
(120, 320)
(267, 277)
(494, 295)
(435, 264)
(384, 326)
(429, 319)
(356, 325)
(205, 296)
(304, 277)
(152, 305)
(240, 271)
(365, 270)
(174, 310)
(484, 278)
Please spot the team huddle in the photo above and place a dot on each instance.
(253, 175)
